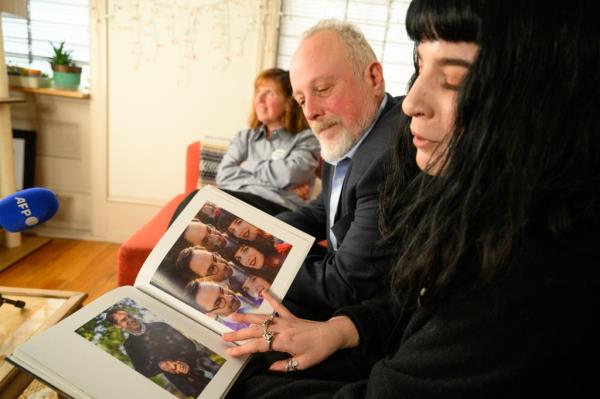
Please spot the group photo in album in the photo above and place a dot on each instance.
(220, 264)
(143, 341)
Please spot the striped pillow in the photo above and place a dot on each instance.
(212, 150)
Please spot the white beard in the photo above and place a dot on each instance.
(332, 149)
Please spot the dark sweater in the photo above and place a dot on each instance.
(532, 333)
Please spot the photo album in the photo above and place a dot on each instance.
(161, 338)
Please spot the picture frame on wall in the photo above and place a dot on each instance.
(24, 145)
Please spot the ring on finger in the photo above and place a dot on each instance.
(268, 336)
(266, 323)
(269, 320)
(292, 365)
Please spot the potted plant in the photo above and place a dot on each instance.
(14, 75)
(26, 77)
(66, 74)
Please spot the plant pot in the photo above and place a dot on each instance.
(28, 81)
(66, 77)
(14, 80)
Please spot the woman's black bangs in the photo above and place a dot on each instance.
(449, 20)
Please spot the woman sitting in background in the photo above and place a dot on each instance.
(495, 284)
(272, 164)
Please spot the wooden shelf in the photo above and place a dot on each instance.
(11, 100)
(48, 91)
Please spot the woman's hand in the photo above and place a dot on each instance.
(302, 191)
(308, 342)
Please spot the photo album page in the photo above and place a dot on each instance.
(162, 337)
(218, 256)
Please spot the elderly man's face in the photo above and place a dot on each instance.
(338, 104)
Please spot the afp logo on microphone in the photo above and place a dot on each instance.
(27, 208)
(30, 220)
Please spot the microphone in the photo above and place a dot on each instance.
(27, 208)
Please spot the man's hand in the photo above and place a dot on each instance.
(174, 366)
(302, 191)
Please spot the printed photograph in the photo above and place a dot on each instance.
(221, 264)
(153, 348)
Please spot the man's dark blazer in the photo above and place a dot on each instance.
(357, 270)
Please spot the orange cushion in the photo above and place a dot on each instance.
(135, 250)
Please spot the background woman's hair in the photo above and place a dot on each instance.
(294, 120)
(525, 149)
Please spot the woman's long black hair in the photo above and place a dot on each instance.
(525, 152)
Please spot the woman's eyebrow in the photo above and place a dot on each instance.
(454, 62)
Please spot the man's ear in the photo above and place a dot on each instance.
(374, 76)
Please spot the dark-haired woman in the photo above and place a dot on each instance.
(495, 288)
(264, 263)
(245, 232)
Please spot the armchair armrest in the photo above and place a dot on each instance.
(192, 166)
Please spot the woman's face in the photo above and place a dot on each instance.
(431, 101)
(255, 285)
(250, 257)
(241, 229)
(269, 104)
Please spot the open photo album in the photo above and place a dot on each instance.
(161, 338)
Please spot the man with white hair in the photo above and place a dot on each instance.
(339, 84)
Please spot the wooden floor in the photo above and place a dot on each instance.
(70, 265)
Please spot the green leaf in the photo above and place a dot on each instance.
(61, 56)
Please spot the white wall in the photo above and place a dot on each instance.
(175, 72)
(163, 74)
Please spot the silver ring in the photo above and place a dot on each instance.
(292, 364)
(268, 335)
(267, 322)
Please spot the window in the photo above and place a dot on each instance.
(27, 41)
(381, 21)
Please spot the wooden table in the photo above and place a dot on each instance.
(43, 309)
